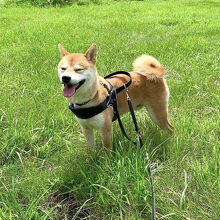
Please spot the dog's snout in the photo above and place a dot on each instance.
(66, 79)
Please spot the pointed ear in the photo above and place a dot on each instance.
(63, 52)
(91, 54)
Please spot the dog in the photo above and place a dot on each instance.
(83, 87)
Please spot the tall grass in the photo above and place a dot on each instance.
(57, 3)
(39, 3)
(42, 150)
(43, 3)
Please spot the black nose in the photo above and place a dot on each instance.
(66, 79)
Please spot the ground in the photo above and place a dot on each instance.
(45, 170)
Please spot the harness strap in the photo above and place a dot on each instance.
(80, 104)
(119, 89)
(85, 113)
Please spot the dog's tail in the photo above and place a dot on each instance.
(149, 67)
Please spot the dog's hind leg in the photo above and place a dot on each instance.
(159, 114)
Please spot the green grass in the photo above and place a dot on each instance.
(45, 3)
(42, 150)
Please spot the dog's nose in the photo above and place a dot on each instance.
(66, 79)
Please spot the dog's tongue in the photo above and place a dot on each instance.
(69, 90)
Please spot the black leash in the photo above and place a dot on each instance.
(115, 107)
(152, 190)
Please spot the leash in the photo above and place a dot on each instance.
(116, 113)
(111, 100)
(152, 190)
(114, 103)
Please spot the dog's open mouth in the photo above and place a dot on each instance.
(70, 89)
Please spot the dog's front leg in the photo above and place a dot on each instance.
(90, 138)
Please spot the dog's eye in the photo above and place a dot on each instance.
(63, 68)
(79, 70)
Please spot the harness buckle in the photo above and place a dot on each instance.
(112, 97)
(109, 102)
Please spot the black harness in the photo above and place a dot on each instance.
(85, 113)
(111, 100)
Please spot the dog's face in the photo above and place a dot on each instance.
(77, 71)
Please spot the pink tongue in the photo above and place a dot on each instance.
(68, 91)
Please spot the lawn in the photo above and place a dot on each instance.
(45, 170)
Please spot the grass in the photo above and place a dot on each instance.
(42, 150)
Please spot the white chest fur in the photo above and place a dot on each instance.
(96, 122)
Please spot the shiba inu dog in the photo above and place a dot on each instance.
(83, 87)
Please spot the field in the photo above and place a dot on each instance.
(45, 170)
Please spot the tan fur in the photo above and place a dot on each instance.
(148, 89)
(149, 67)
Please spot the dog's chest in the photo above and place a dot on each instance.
(96, 121)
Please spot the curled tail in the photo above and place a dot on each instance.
(149, 67)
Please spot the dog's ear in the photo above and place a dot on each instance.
(91, 54)
(63, 52)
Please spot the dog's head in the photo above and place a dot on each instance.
(76, 71)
